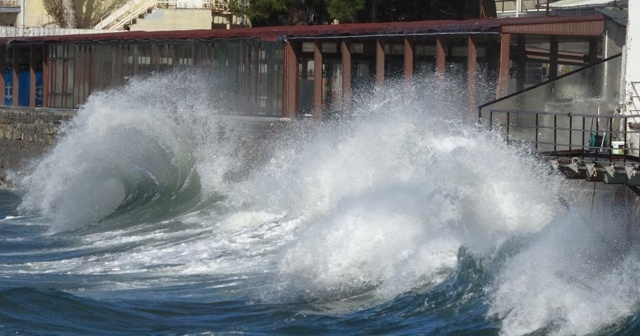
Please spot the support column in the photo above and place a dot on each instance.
(345, 48)
(521, 60)
(32, 77)
(408, 58)
(291, 99)
(503, 77)
(441, 57)
(472, 74)
(317, 81)
(380, 62)
(553, 57)
(16, 78)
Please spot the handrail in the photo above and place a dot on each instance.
(565, 134)
(135, 13)
(115, 15)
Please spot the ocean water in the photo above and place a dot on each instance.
(152, 216)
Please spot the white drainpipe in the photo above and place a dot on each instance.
(22, 11)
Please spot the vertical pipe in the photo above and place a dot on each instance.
(408, 58)
(380, 60)
(317, 81)
(32, 77)
(472, 72)
(503, 77)
(345, 48)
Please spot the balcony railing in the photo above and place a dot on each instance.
(598, 148)
(9, 6)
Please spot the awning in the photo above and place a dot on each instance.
(585, 3)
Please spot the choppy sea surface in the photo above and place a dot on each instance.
(152, 216)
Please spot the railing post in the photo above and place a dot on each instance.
(537, 130)
(570, 132)
(508, 125)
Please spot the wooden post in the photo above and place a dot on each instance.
(503, 76)
(345, 49)
(380, 62)
(290, 103)
(472, 73)
(408, 58)
(317, 81)
(553, 57)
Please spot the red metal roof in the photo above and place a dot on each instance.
(474, 26)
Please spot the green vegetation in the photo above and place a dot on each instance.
(310, 12)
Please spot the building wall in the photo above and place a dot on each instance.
(89, 12)
(174, 19)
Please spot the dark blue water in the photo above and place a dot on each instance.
(152, 216)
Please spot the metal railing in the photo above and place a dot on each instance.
(575, 135)
(185, 3)
(509, 6)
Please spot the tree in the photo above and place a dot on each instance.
(345, 10)
(292, 12)
(62, 12)
(281, 12)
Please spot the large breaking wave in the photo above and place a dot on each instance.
(401, 198)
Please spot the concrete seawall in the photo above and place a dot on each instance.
(26, 134)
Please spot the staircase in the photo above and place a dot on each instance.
(127, 15)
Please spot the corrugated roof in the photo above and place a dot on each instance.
(475, 26)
